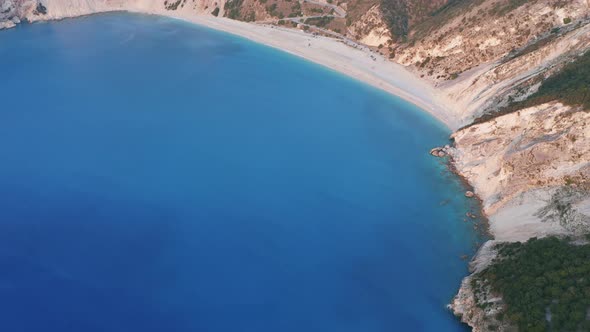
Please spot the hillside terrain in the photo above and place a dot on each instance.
(514, 74)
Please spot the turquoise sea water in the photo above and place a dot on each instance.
(159, 176)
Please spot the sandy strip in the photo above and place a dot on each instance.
(334, 54)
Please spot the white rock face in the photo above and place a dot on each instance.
(517, 161)
(7, 12)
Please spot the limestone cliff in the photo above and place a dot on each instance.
(544, 146)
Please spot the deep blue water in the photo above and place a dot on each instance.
(159, 176)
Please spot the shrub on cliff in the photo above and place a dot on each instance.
(40, 9)
(570, 86)
(233, 8)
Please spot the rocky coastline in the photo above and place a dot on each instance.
(464, 304)
(482, 225)
(521, 172)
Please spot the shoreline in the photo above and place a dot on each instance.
(328, 52)
(381, 73)
(482, 218)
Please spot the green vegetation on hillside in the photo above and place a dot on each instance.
(174, 5)
(296, 10)
(571, 86)
(319, 21)
(544, 283)
(357, 8)
(503, 8)
(397, 18)
(401, 15)
(232, 8)
(534, 46)
(417, 19)
(437, 17)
